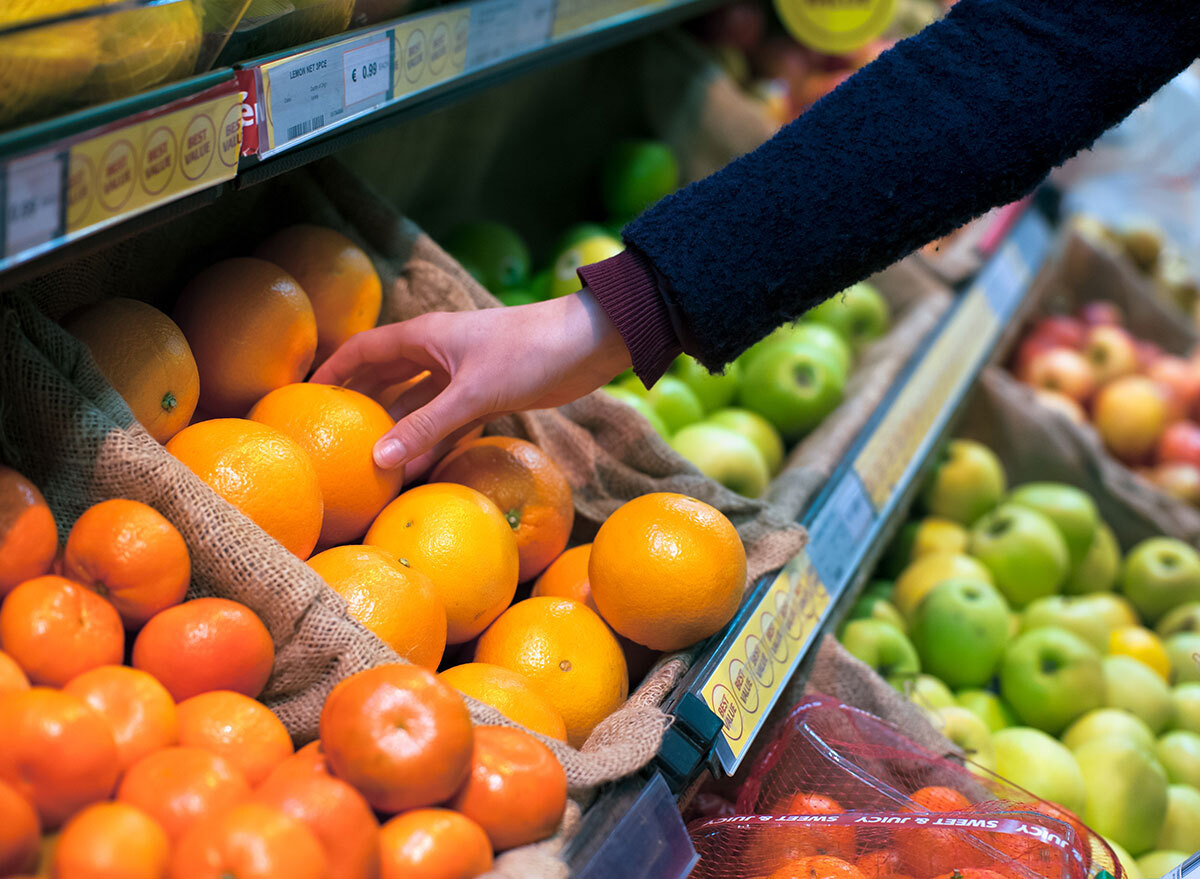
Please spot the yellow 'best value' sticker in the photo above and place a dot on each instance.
(836, 26)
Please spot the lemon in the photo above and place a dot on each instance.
(141, 48)
(39, 69)
(1143, 645)
(935, 534)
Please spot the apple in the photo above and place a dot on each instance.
(1062, 370)
(1050, 677)
(935, 534)
(915, 581)
(967, 482)
(858, 313)
(1161, 573)
(969, 733)
(1137, 688)
(1161, 862)
(1179, 754)
(819, 336)
(1183, 652)
(1184, 618)
(959, 629)
(1040, 764)
(1030, 349)
(882, 588)
(1180, 444)
(1024, 550)
(1061, 404)
(1130, 414)
(1115, 610)
(1186, 699)
(988, 707)
(1148, 353)
(1111, 352)
(883, 648)
(713, 391)
(1071, 510)
(875, 607)
(1180, 481)
(1067, 613)
(1067, 331)
(1098, 570)
(676, 404)
(1101, 314)
(1181, 378)
(792, 385)
(1128, 865)
(639, 403)
(1126, 792)
(1181, 829)
(724, 456)
(924, 691)
(1101, 723)
(582, 252)
(755, 428)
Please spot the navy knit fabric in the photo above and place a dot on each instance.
(971, 113)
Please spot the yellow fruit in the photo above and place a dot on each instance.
(925, 572)
(141, 48)
(567, 652)
(1143, 645)
(510, 693)
(40, 68)
(935, 534)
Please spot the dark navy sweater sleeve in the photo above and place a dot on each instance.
(971, 113)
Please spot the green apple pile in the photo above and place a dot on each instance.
(1011, 616)
(734, 427)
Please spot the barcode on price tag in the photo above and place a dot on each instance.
(367, 71)
(33, 202)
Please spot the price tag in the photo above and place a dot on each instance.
(33, 202)
(503, 28)
(367, 71)
(575, 15)
(837, 533)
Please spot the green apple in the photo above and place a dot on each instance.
(794, 386)
(969, 733)
(924, 690)
(816, 335)
(1100, 566)
(494, 250)
(1179, 754)
(1181, 830)
(1183, 651)
(724, 456)
(635, 175)
(882, 647)
(918, 579)
(639, 403)
(1067, 613)
(581, 232)
(564, 279)
(1040, 764)
(1184, 618)
(967, 482)
(755, 428)
(1050, 677)
(872, 607)
(1114, 609)
(1137, 688)
(1161, 862)
(1128, 864)
(1186, 699)
(713, 391)
(1024, 551)
(859, 314)
(988, 707)
(1101, 723)
(882, 588)
(1072, 511)
(1126, 792)
(676, 404)
(1161, 573)
(960, 629)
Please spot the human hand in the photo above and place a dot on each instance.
(482, 364)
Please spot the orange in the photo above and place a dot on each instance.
(567, 577)
(250, 841)
(144, 355)
(179, 787)
(936, 798)
(262, 472)
(569, 655)
(882, 864)
(28, 535)
(233, 726)
(817, 867)
(516, 790)
(434, 844)
(309, 760)
(111, 841)
(338, 428)
(804, 840)
(139, 710)
(335, 812)
(458, 538)
(510, 693)
(399, 735)
(252, 329)
(528, 487)
(667, 570)
(12, 678)
(131, 555)
(57, 752)
(1143, 645)
(206, 644)
(56, 629)
(395, 602)
(20, 832)
(336, 274)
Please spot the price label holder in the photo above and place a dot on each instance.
(502, 29)
(571, 16)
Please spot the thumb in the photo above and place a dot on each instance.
(420, 430)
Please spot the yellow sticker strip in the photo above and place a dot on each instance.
(431, 49)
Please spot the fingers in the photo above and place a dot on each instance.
(418, 466)
(420, 431)
(377, 358)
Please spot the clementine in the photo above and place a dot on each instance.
(250, 841)
(395, 602)
(56, 629)
(206, 644)
(234, 726)
(262, 472)
(510, 693)
(309, 760)
(179, 787)
(145, 357)
(528, 487)
(883, 863)
(130, 554)
(459, 539)
(28, 535)
(252, 329)
(20, 832)
(937, 798)
(399, 735)
(11, 676)
(567, 577)
(567, 652)
(667, 570)
(434, 844)
(818, 867)
(804, 840)
(111, 841)
(58, 753)
(139, 710)
(336, 274)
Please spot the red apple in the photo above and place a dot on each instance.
(1029, 349)
(1147, 353)
(739, 24)
(782, 58)
(1181, 378)
(1061, 403)
(1111, 352)
(1065, 371)
(1180, 444)
(1130, 414)
(1067, 331)
(1181, 481)
(1099, 314)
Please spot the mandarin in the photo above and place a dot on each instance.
(250, 841)
(20, 832)
(234, 726)
(56, 629)
(130, 554)
(459, 539)
(567, 577)
(399, 735)
(567, 652)
(937, 798)
(395, 602)
(145, 357)
(803, 840)
(817, 867)
(262, 472)
(138, 709)
(111, 841)
(251, 328)
(12, 678)
(510, 693)
(28, 535)
(180, 786)
(434, 844)
(206, 644)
